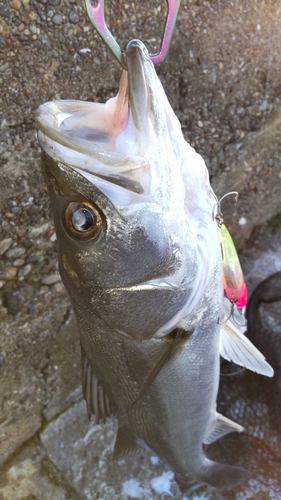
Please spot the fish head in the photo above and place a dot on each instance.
(132, 203)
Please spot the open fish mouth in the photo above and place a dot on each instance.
(75, 132)
(90, 137)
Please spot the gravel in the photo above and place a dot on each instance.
(57, 19)
(73, 17)
(5, 244)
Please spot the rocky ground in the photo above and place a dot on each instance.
(222, 77)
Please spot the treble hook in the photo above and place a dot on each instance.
(96, 16)
(232, 316)
(218, 215)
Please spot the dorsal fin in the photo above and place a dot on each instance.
(236, 347)
(97, 401)
(125, 443)
(220, 427)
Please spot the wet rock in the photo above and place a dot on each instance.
(14, 302)
(31, 475)
(73, 17)
(18, 262)
(9, 273)
(59, 288)
(34, 232)
(74, 444)
(5, 245)
(63, 379)
(57, 19)
(16, 299)
(6, 226)
(15, 252)
(33, 209)
(15, 4)
(24, 271)
(14, 433)
(51, 280)
(23, 38)
(4, 12)
(16, 210)
(25, 479)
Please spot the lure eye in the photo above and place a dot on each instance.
(83, 221)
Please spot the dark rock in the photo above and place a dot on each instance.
(16, 299)
(73, 17)
(33, 209)
(16, 210)
(3, 43)
(4, 12)
(14, 302)
(23, 38)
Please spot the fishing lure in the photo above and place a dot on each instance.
(232, 276)
(96, 16)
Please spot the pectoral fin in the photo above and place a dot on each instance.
(125, 443)
(177, 338)
(220, 427)
(97, 401)
(236, 347)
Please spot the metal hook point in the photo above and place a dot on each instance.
(216, 212)
(233, 315)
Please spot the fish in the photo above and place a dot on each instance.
(140, 257)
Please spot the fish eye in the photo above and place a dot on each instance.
(83, 221)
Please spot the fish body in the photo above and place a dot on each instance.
(140, 257)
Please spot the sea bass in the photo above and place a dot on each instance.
(139, 254)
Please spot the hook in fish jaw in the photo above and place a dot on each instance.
(96, 16)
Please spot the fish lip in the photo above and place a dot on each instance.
(141, 78)
(137, 57)
(135, 46)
